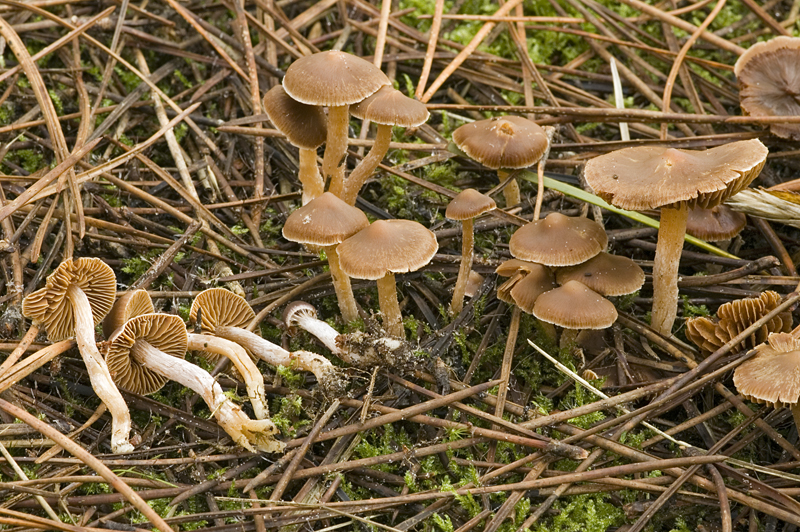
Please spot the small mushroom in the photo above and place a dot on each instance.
(465, 207)
(129, 305)
(558, 240)
(149, 349)
(715, 224)
(606, 274)
(75, 298)
(574, 306)
(379, 252)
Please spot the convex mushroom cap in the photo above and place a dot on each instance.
(558, 240)
(129, 305)
(574, 306)
(469, 203)
(772, 376)
(390, 107)
(715, 224)
(527, 282)
(606, 274)
(502, 142)
(325, 221)
(305, 126)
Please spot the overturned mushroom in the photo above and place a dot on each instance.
(129, 305)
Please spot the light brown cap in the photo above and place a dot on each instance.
(606, 274)
(387, 246)
(574, 306)
(305, 126)
(220, 308)
(773, 375)
(649, 177)
(165, 332)
(391, 107)
(558, 240)
(512, 266)
(715, 224)
(474, 281)
(528, 289)
(469, 203)
(129, 305)
(332, 78)
(50, 305)
(502, 142)
(768, 74)
(324, 221)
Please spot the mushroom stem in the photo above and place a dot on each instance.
(368, 164)
(341, 285)
(253, 379)
(100, 377)
(335, 158)
(511, 190)
(246, 432)
(665, 267)
(310, 178)
(390, 307)
(467, 252)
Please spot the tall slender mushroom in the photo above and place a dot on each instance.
(335, 80)
(75, 298)
(306, 128)
(674, 180)
(328, 221)
(149, 349)
(379, 252)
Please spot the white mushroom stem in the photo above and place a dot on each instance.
(467, 253)
(368, 164)
(390, 308)
(342, 287)
(671, 232)
(250, 434)
(511, 190)
(253, 379)
(100, 377)
(333, 162)
(310, 178)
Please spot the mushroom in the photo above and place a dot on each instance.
(326, 222)
(575, 306)
(558, 240)
(75, 298)
(502, 143)
(772, 375)
(231, 325)
(305, 127)
(465, 207)
(769, 82)
(383, 249)
(652, 177)
(336, 80)
(129, 305)
(715, 224)
(149, 349)
(606, 274)
(388, 107)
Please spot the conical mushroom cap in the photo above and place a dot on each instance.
(773, 374)
(324, 221)
(715, 224)
(469, 203)
(574, 306)
(305, 126)
(558, 240)
(502, 142)
(50, 305)
(129, 305)
(165, 332)
(606, 274)
(387, 246)
(390, 107)
(332, 79)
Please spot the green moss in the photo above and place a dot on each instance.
(582, 513)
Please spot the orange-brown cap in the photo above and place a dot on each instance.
(129, 305)
(558, 240)
(469, 203)
(332, 78)
(324, 221)
(165, 332)
(502, 142)
(390, 107)
(715, 224)
(606, 274)
(220, 308)
(305, 126)
(773, 375)
(649, 177)
(574, 306)
(387, 246)
(768, 74)
(50, 305)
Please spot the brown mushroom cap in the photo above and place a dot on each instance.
(129, 305)
(324, 221)
(715, 224)
(50, 306)
(769, 82)
(305, 126)
(390, 107)
(387, 246)
(502, 142)
(773, 374)
(527, 290)
(469, 203)
(574, 306)
(649, 177)
(165, 332)
(332, 78)
(220, 308)
(558, 240)
(512, 266)
(606, 274)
